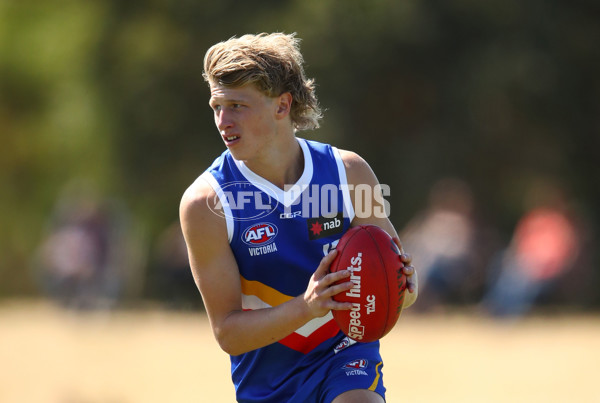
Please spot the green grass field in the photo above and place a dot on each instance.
(49, 355)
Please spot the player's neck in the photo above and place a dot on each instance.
(282, 164)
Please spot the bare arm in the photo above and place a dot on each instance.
(372, 211)
(217, 276)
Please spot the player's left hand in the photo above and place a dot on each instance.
(412, 281)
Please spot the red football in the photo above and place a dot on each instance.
(379, 284)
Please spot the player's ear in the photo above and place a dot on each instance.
(284, 105)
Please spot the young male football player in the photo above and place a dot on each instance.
(261, 225)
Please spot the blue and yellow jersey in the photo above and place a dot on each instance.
(278, 237)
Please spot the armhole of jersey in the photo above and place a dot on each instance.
(344, 184)
(223, 200)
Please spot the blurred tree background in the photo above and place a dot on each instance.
(502, 94)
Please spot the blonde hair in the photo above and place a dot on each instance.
(273, 63)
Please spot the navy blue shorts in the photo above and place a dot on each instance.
(356, 366)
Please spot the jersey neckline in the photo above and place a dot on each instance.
(286, 197)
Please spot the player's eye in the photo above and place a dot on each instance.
(236, 106)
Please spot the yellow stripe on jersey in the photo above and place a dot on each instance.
(267, 294)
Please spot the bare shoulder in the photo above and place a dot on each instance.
(193, 202)
(195, 199)
(197, 218)
(351, 158)
(357, 169)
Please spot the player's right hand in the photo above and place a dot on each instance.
(321, 288)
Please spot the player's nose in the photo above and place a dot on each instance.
(223, 121)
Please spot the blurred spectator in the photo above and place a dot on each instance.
(173, 281)
(82, 261)
(442, 241)
(543, 249)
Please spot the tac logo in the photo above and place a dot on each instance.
(356, 364)
(259, 234)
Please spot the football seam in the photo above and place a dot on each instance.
(340, 252)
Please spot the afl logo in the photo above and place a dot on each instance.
(356, 364)
(259, 234)
(231, 198)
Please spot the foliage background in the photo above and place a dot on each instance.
(501, 93)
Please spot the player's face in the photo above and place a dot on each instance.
(245, 118)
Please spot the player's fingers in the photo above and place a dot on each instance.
(340, 306)
(323, 267)
(411, 296)
(412, 282)
(335, 277)
(406, 258)
(338, 288)
(408, 270)
(398, 244)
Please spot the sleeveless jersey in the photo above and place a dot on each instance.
(278, 238)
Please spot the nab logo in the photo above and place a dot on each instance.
(259, 234)
(321, 227)
(356, 364)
